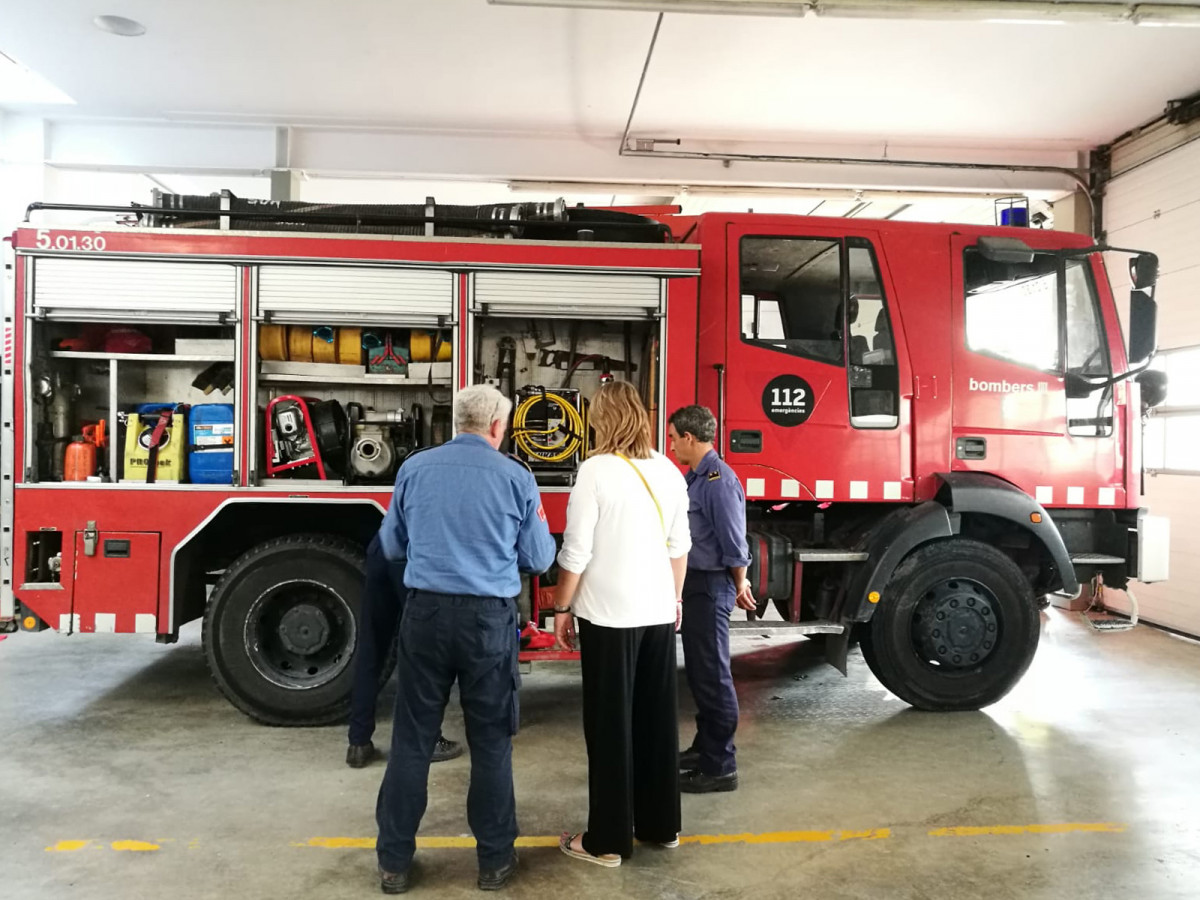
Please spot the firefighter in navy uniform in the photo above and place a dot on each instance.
(467, 521)
(715, 583)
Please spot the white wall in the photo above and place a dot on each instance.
(1156, 207)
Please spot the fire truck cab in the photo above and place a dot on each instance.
(204, 409)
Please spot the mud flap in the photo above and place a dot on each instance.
(837, 649)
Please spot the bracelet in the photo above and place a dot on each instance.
(562, 611)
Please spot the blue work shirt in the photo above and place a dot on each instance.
(468, 520)
(716, 516)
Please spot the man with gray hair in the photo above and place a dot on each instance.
(467, 520)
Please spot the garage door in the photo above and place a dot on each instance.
(1154, 203)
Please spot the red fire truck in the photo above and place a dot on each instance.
(205, 404)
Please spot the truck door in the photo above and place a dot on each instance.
(1021, 332)
(814, 407)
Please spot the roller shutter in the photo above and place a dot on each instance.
(355, 294)
(107, 290)
(567, 295)
(1153, 203)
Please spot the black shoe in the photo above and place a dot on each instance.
(689, 760)
(394, 882)
(494, 879)
(358, 755)
(696, 782)
(445, 749)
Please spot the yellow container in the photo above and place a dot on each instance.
(421, 344)
(171, 455)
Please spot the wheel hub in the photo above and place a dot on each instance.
(956, 624)
(304, 629)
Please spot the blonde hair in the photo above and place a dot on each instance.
(621, 421)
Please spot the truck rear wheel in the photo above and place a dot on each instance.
(281, 627)
(956, 628)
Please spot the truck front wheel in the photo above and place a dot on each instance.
(956, 627)
(281, 627)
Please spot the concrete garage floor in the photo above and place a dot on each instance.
(123, 774)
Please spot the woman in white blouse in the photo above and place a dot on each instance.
(621, 570)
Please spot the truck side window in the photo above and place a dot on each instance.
(791, 296)
(1012, 309)
(1087, 354)
(874, 378)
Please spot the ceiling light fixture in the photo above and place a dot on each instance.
(714, 7)
(988, 11)
(119, 25)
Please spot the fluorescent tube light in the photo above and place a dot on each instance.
(712, 7)
(1017, 12)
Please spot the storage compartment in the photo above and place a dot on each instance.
(551, 368)
(43, 558)
(91, 381)
(116, 582)
(346, 403)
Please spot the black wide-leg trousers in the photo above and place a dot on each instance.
(631, 727)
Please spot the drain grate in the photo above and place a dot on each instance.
(1108, 623)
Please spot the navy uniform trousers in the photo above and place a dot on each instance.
(708, 601)
(382, 604)
(473, 639)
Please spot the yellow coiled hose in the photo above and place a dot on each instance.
(550, 445)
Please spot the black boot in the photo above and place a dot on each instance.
(358, 755)
(394, 882)
(696, 782)
(494, 879)
(446, 749)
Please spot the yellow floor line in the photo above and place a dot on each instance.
(462, 842)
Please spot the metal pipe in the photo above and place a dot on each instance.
(637, 95)
(720, 408)
(1080, 177)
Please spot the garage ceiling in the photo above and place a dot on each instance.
(467, 66)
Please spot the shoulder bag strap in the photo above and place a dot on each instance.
(661, 521)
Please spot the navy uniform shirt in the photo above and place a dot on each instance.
(717, 516)
(468, 520)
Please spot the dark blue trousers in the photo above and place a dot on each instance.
(382, 604)
(473, 639)
(708, 601)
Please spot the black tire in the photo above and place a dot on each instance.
(281, 628)
(956, 628)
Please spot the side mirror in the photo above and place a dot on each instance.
(1143, 271)
(1154, 388)
(1143, 327)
